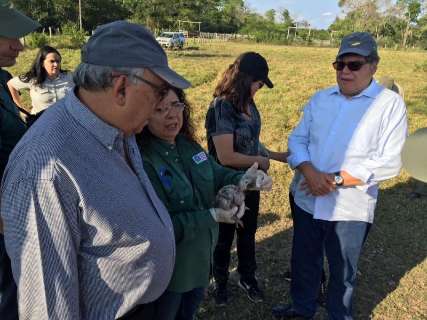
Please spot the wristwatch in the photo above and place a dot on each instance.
(338, 179)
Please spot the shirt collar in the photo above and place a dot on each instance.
(102, 131)
(371, 91)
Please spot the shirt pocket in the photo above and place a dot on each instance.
(43, 95)
(180, 195)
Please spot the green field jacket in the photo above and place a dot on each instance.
(186, 179)
(12, 127)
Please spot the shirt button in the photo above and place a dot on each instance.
(181, 202)
(110, 147)
(176, 160)
(166, 153)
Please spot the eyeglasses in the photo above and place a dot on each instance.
(164, 110)
(161, 91)
(351, 65)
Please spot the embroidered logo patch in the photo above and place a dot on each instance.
(354, 44)
(200, 157)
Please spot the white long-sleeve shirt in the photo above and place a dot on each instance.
(362, 135)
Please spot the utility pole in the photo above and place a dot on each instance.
(80, 15)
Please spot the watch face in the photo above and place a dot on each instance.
(339, 180)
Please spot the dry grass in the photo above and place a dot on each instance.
(393, 269)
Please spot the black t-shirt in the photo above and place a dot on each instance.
(223, 118)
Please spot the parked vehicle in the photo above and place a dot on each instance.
(171, 39)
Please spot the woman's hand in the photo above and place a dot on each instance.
(263, 163)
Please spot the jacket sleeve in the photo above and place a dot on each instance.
(185, 223)
(223, 175)
(386, 162)
(42, 239)
(299, 139)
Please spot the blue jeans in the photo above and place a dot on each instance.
(179, 306)
(8, 299)
(342, 242)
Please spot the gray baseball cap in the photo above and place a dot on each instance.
(124, 44)
(361, 43)
(13, 24)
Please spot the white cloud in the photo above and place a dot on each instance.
(326, 14)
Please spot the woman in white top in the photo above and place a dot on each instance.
(45, 80)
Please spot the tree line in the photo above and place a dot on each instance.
(400, 23)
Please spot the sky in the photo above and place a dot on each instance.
(319, 13)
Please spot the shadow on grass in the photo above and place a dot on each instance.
(273, 256)
(396, 244)
(267, 219)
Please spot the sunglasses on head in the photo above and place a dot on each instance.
(351, 65)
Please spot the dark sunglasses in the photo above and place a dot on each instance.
(351, 65)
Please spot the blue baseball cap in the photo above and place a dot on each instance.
(14, 24)
(361, 43)
(129, 45)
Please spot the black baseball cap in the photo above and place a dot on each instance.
(255, 65)
(125, 44)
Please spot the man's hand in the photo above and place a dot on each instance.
(349, 180)
(316, 183)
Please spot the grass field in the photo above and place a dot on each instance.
(392, 282)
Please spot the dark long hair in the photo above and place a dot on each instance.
(187, 129)
(37, 72)
(235, 86)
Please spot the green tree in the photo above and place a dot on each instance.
(409, 11)
(270, 15)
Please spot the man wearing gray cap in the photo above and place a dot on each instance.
(349, 139)
(86, 233)
(13, 25)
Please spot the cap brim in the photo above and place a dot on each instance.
(358, 51)
(171, 77)
(14, 24)
(414, 154)
(268, 83)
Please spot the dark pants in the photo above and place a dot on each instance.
(169, 306)
(141, 312)
(179, 306)
(8, 299)
(342, 242)
(245, 243)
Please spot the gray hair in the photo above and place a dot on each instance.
(95, 78)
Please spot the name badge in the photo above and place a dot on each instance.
(200, 157)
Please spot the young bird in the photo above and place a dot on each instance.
(231, 196)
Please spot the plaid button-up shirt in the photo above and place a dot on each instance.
(87, 235)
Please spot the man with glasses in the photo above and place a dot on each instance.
(349, 139)
(13, 25)
(86, 233)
